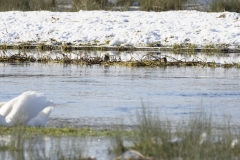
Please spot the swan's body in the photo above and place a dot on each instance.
(30, 108)
(1, 104)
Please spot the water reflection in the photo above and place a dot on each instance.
(54, 148)
(220, 58)
(102, 95)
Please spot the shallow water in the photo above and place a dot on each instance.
(100, 96)
(104, 95)
(53, 148)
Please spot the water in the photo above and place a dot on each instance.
(53, 148)
(100, 96)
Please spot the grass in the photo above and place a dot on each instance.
(153, 136)
(225, 5)
(27, 5)
(30, 143)
(148, 60)
(184, 47)
(197, 138)
(66, 48)
(58, 132)
(154, 44)
(89, 5)
(211, 49)
(42, 47)
(161, 5)
(21, 144)
(145, 5)
(154, 5)
(3, 47)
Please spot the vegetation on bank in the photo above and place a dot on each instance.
(27, 5)
(144, 5)
(148, 60)
(225, 5)
(24, 143)
(155, 46)
(152, 137)
(161, 5)
(58, 132)
(198, 137)
(90, 5)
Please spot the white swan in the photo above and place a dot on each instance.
(30, 108)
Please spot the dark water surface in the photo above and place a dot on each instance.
(102, 95)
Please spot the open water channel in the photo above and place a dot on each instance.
(100, 96)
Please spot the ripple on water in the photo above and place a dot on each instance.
(98, 94)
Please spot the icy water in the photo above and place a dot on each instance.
(100, 96)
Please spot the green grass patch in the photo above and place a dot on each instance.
(67, 131)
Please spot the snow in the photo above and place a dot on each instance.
(110, 28)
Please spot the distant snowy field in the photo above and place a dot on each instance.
(108, 28)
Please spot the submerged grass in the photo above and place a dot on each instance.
(197, 138)
(30, 143)
(21, 144)
(152, 137)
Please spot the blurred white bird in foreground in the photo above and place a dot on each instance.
(30, 108)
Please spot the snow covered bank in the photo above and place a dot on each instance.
(106, 28)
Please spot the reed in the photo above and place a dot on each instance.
(153, 136)
(27, 5)
(198, 137)
(23, 145)
(89, 5)
(148, 60)
(161, 5)
(225, 5)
